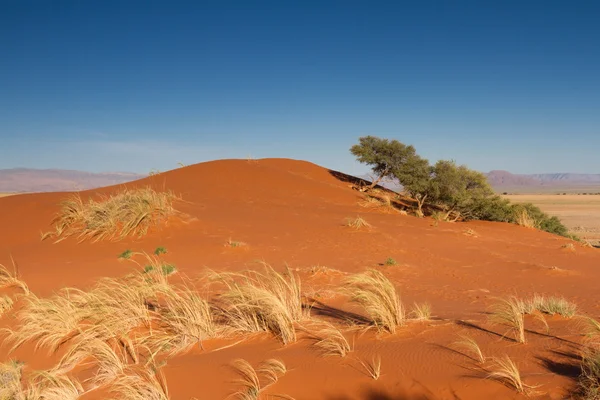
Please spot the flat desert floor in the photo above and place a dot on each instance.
(579, 213)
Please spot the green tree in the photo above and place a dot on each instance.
(415, 176)
(458, 189)
(383, 155)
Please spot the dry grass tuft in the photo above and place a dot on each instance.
(143, 385)
(510, 312)
(185, 320)
(268, 301)
(234, 243)
(421, 311)
(6, 304)
(470, 345)
(11, 279)
(551, 305)
(328, 339)
(42, 385)
(589, 381)
(357, 223)
(378, 295)
(128, 213)
(373, 368)
(507, 372)
(255, 381)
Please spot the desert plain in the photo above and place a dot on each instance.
(236, 216)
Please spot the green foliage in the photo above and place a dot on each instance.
(167, 269)
(126, 255)
(383, 155)
(390, 261)
(458, 190)
(160, 250)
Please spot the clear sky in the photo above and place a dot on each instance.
(136, 85)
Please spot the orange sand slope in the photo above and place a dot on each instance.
(293, 212)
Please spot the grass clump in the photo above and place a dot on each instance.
(142, 385)
(328, 339)
(6, 304)
(254, 381)
(11, 279)
(262, 301)
(390, 261)
(234, 243)
(507, 372)
(373, 368)
(510, 312)
(357, 223)
(130, 212)
(378, 295)
(470, 345)
(589, 380)
(185, 320)
(421, 311)
(553, 305)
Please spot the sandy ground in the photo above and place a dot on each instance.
(580, 213)
(293, 212)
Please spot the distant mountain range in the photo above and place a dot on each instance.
(18, 180)
(504, 179)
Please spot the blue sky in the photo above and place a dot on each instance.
(140, 85)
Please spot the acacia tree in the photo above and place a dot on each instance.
(415, 174)
(383, 155)
(458, 188)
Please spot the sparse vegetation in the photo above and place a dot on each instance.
(470, 345)
(328, 339)
(507, 372)
(131, 212)
(421, 311)
(143, 385)
(11, 279)
(126, 255)
(373, 367)
(390, 261)
(254, 381)
(234, 243)
(379, 297)
(160, 251)
(551, 305)
(268, 301)
(166, 269)
(510, 312)
(357, 223)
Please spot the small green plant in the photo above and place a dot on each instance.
(126, 255)
(167, 269)
(160, 250)
(233, 243)
(390, 261)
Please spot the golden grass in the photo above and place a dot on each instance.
(109, 360)
(589, 380)
(510, 312)
(41, 386)
(328, 339)
(128, 213)
(471, 346)
(378, 295)
(552, 305)
(184, 320)
(507, 372)
(254, 381)
(357, 223)
(6, 304)
(268, 301)
(142, 385)
(380, 201)
(11, 279)
(373, 367)
(421, 311)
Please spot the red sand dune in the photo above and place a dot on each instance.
(293, 212)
